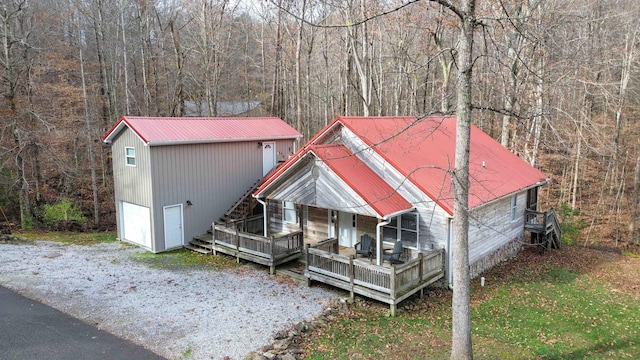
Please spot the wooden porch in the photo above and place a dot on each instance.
(390, 284)
(240, 238)
(544, 228)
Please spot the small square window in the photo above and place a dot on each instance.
(289, 212)
(130, 156)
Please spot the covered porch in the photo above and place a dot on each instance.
(388, 283)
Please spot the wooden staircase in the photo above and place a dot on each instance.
(242, 209)
(244, 206)
(544, 228)
(202, 243)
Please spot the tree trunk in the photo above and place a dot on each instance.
(298, 65)
(634, 234)
(461, 347)
(92, 159)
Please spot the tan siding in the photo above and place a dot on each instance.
(367, 225)
(131, 184)
(212, 176)
(317, 224)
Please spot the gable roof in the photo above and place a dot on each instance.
(155, 131)
(382, 198)
(423, 151)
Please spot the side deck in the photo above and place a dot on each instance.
(270, 251)
(390, 284)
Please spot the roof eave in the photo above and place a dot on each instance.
(222, 140)
(542, 182)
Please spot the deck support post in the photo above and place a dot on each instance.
(351, 278)
(392, 285)
(306, 265)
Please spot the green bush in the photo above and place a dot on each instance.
(570, 223)
(63, 210)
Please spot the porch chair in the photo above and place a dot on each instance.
(365, 246)
(394, 257)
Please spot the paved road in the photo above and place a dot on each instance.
(31, 330)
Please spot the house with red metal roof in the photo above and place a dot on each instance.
(174, 176)
(390, 179)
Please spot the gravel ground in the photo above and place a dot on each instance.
(194, 314)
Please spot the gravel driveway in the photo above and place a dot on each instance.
(194, 314)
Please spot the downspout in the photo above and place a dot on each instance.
(449, 256)
(379, 240)
(264, 217)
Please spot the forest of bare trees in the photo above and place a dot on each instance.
(554, 81)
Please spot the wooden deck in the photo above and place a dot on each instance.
(545, 228)
(270, 251)
(388, 284)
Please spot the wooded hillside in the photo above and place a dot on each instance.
(555, 81)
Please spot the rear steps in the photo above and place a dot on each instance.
(201, 243)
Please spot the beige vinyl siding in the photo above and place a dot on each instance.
(132, 184)
(213, 176)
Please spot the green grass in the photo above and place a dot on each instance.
(182, 259)
(556, 313)
(70, 237)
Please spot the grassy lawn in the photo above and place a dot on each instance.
(70, 237)
(574, 303)
(184, 259)
(174, 260)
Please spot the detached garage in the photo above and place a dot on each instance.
(174, 176)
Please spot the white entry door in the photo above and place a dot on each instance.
(173, 233)
(347, 229)
(268, 157)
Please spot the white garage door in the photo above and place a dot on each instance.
(136, 224)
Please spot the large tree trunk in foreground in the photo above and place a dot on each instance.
(461, 347)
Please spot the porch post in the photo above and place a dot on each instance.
(267, 217)
(381, 223)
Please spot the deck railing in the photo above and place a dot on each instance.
(264, 250)
(543, 223)
(390, 284)
(252, 224)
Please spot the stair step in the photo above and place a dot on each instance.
(292, 274)
(208, 238)
(202, 244)
(198, 249)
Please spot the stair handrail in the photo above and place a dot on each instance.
(242, 198)
(551, 215)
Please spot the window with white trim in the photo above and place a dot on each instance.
(289, 212)
(130, 156)
(514, 207)
(404, 228)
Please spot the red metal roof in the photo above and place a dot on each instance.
(180, 130)
(360, 178)
(423, 150)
